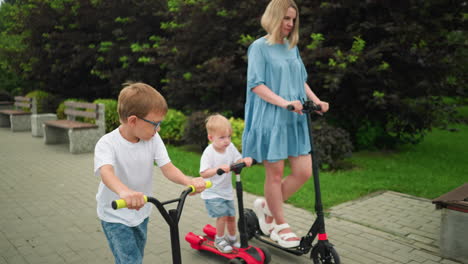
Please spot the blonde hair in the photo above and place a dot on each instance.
(217, 123)
(272, 20)
(139, 99)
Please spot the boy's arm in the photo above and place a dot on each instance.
(208, 173)
(172, 173)
(133, 199)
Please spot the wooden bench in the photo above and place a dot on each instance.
(6, 105)
(81, 136)
(19, 118)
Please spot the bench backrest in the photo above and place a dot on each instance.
(88, 110)
(22, 102)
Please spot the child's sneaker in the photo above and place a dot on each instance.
(233, 243)
(222, 245)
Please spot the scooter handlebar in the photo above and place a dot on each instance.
(309, 105)
(120, 203)
(236, 166)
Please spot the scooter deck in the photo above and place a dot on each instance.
(250, 255)
(267, 240)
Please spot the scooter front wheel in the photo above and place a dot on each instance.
(236, 261)
(324, 254)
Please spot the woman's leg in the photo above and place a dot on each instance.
(301, 171)
(273, 190)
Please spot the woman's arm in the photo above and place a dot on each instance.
(269, 96)
(311, 95)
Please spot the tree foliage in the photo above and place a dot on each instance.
(386, 62)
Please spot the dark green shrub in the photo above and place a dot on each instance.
(112, 117)
(331, 144)
(172, 129)
(5, 96)
(195, 130)
(46, 102)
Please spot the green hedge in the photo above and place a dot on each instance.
(112, 117)
(173, 126)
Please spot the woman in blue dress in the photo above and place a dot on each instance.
(276, 78)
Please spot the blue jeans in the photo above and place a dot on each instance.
(127, 243)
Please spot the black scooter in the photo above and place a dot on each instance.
(171, 216)
(323, 251)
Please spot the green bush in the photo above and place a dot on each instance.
(195, 130)
(172, 129)
(237, 130)
(110, 109)
(46, 102)
(331, 144)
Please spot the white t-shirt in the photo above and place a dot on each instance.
(222, 184)
(133, 164)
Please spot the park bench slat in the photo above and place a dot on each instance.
(23, 98)
(21, 104)
(81, 113)
(14, 112)
(74, 104)
(69, 124)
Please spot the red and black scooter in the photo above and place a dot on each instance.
(244, 254)
(323, 251)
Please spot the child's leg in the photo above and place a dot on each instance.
(231, 225)
(220, 225)
(127, 243)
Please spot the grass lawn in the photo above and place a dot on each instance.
(429, 169)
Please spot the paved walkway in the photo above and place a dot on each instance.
(47, 215)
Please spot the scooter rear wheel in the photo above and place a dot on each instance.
(326, 256)
(251, 221)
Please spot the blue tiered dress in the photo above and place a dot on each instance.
(273, 133)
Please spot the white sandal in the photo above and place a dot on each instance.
(261, 209)
(282, 239)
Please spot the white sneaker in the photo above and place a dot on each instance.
(222, 245)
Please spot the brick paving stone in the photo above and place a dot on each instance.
(50, 216)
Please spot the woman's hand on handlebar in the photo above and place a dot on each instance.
(324, 107)
(135, 200)
(248, 161)
(297, 106)
(198, 183)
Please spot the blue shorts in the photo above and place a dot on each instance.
(218, 207)
(127, 243)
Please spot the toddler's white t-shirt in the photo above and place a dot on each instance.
(222, 184)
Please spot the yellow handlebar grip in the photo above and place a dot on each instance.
(208, 184)
(119, 204)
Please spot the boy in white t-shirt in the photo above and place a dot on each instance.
(124, 159)
(221, 153)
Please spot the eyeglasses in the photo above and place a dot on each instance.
(155, 124)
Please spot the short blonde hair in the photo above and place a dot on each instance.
(139, 99)
(217, 123)
(272, 19)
